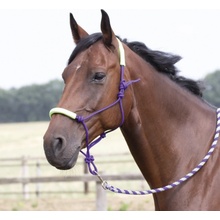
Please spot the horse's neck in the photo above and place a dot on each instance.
(168, 130)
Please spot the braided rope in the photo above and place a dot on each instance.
(90, 159)
(172, 185)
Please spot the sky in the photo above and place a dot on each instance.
(36, 41)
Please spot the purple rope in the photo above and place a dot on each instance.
(181, 180)
(89, 159)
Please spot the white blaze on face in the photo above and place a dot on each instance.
(78, 66)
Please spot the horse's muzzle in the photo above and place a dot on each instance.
(58, 153)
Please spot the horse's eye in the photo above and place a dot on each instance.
(98, 77)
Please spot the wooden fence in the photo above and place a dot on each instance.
(25, 180)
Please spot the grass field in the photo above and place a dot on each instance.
(26, 139)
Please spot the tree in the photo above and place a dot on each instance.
(32, 103)
(212, 92)
(29, 103)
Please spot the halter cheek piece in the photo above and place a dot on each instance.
(89, 159)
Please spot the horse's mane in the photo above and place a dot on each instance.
(161, 61)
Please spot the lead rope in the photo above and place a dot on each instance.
(89, 159)
(106, 186)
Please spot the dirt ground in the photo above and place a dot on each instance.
(118, 203)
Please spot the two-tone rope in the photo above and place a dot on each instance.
(176, 183)
(90, 159)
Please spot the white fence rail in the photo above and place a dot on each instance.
(85, 178)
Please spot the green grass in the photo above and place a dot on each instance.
(26, 139)
(18, 139)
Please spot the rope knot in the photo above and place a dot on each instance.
(121, 94)
(103, 135)
(123, 85)
(89, 159)
(79, 118)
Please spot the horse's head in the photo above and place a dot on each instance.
(92, 81)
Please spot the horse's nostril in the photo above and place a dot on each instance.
(58, 145)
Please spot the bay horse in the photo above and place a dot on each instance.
(165, 121)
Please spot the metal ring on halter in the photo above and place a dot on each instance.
(181, 180)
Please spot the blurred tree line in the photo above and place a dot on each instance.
(32, 103)
(29, 103)
(212, 88)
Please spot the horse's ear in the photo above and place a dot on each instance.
(108, 34)
(77, 31)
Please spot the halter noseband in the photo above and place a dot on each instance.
(89, 159)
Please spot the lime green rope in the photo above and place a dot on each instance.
(122, 53)
(63, 112)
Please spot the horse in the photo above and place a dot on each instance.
(111, 83)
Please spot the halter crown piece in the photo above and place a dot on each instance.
(89, 159)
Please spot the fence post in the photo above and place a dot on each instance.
(24, 175)
(85, 171)
(101, 197)
(37, 175)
